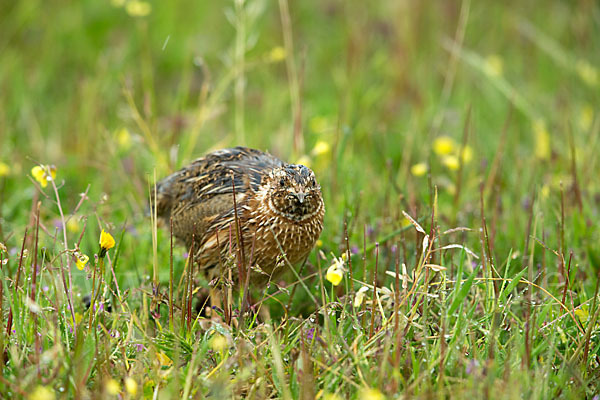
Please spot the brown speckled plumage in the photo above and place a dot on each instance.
(279, 207)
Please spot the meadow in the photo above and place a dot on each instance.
(456, 144)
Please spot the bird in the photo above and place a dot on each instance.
(246, 203)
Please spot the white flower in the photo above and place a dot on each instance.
(360, 296)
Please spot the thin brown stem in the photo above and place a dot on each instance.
(374, 300)
(32, 292)
(461, 153)
(171, 276)
(20, 266)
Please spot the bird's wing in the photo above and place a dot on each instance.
(201, 191)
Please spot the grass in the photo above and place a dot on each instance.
(456, 144)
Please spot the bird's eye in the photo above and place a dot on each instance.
(312, 182)
(281, 182)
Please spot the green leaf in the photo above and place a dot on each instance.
(513, 283)
(462, 293)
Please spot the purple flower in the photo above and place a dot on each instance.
(131, 229)
(370, 230)
(472, 367)
(186, 254)
(57, 224)
(139, 347)
(526, 203)
(310, 334)
(394, 248)
(354, 249)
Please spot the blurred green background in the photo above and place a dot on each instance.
(470, 109)
(111, 91)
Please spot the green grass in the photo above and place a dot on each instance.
(361, 93)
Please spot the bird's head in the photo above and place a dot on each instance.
(293, 192)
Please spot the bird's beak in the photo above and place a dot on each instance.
(300, 197)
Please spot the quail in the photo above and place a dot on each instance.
(275, 216)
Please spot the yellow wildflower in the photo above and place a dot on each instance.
(494, 65)
(335, 272)
(319, 243)
(218, 342)
(123, 138)
(82, 259)
(38, 173)
(137, 8)
(4, 169)
(583, 313)
(112, 387)
(321, 148)
(334, 276)
(443, 145)
(419, 169)
(106, 242)
(42, 393)
(371, 394)
(451, 162)
(587, 72)
(44, 174)
(542, 139)
(277, 53)
(131, 386)
(163, 359)
(467, 154)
